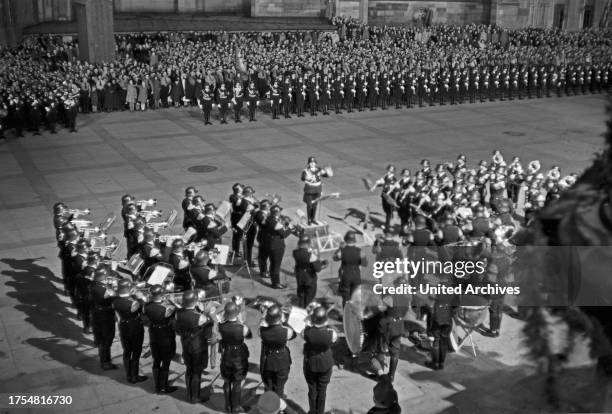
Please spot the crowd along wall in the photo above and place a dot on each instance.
(410, 12)
(288, 8)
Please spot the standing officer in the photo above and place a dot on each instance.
(313, 187)
(286, 95)
(161, 338)
(238, 101)
(223, 100)
(300, 98)
(103, 318)
(234, 356)
(194, 328)
(390, 330)
(351, 258)
(275, 361)
(253, 101)
(307, 265)
(275, 233)
(275, 99)
(206, 102)
(251, 232)
(318, 359)
(313, 96)
(68, 249)
(131, 332)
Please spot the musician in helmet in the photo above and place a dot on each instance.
(234, 355)
(204, 274)
(194, 328)
(162, 338)
(135, 236)
(211, 227)
(179, 259)
(60, 217)
(272, 244)
(389, 186)
(238, 204)
(351, 258)
(83, 283)
(419, 239)
(150, 250)
(103, 317)
(78, 263)
(275, 361)
(481, 225)
(187, 205)
(131, 332)
(307, 265)
(318, 358)
(311, 176)
(251, 206)
(68, 250)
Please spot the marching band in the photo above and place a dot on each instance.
(176, 284)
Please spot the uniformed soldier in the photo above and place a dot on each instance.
(131, 332)
(68, 249)
(419, 238)
(373, 91)
(162, 338)
(253, 101)
(238, 101)
(223, 98)
(390, 331)
(150, 250)
(211, 227)
(275, 361)
(207, 102)
(287, 97)
(350, 258)
(385, 91)
(362, 91)
(187, 205)
(313, 95)
(238, 204)
(300, 97)
(204, 274)
(444, 309)
(78, 263)
(250, 207)
(318, 358)
(350, 91)
(194, 328)
(234, 356)
(338, 94)
(72, 110)
(83, 283)
(103, 317)
(325, 96)
(389, 185)
(179, 259)
(274, 94)
(275, 231)
(307, 265)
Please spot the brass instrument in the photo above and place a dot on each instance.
(146, 203)
(167, 238)
(76, 212)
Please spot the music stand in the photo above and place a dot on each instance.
(245, 263)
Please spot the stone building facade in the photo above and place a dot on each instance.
(565, 14)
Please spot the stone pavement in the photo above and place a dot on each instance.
(43, 349)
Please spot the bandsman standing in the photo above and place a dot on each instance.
(103, 317)
(351, 258)
(162, 338)
(131, 332)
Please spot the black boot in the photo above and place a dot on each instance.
(135, 376)
(393, 367)
(227, 394)
(128, 368)
(166, 388)
(157, 380)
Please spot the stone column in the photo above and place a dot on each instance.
(96, 29)
(363, 11)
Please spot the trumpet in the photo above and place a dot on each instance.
(146, 203)
(167, 238)
(76, 212)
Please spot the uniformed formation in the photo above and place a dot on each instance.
(356, 68)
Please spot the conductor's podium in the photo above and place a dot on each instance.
(322, 239)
